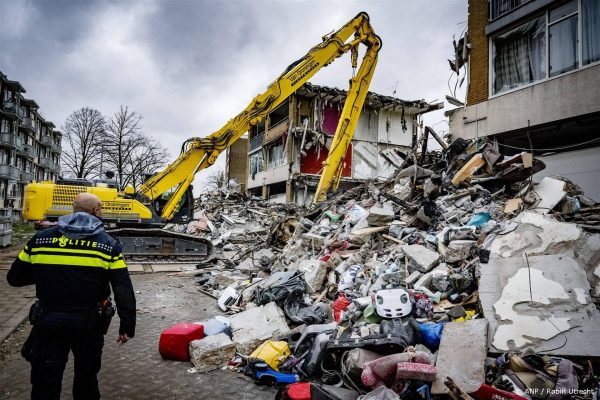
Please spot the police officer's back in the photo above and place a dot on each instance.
(72, 265)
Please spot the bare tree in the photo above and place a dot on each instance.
(217, 179)
(146, 159)
(123, 139)
(83, 130)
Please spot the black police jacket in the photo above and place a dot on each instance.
(73, 274)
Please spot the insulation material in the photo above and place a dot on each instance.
(421, 372)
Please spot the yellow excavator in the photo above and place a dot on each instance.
(139, 216)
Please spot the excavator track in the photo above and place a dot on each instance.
(158, 246)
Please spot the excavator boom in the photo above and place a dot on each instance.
(200, 153)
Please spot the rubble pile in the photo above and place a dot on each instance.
(388, 289)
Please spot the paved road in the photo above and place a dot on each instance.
(14, 305)
(136, 370)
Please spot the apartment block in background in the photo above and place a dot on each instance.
(30, 147)
(534, 82)
(285, 152)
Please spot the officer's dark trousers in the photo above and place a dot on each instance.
(50, 342)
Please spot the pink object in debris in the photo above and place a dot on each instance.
(421, 372)
(384, 369)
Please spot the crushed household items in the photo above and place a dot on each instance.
(458, 276)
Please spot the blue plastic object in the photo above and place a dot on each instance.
(479, 219)
(269, 376)
(431, 334)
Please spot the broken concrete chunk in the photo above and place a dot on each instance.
(212, 352)
(412, 278)
(459, 250)
(462, 354)
(421, 258)
(255, 325)
(380, 216)
(551, 192)
(315, 273)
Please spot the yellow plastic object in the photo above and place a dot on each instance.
(272, 352)
(470, 315)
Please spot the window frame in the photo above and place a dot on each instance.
(546, 14)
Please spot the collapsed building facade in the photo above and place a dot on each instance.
(533, 76)
(285, 152)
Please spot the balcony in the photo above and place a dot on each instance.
(26, 177)
(46, 162)
(28, 125)
(256, 141)
(9, 172)
(11, 110)
(499, 8)
(28, 151)
(10, 140)
(47, 140)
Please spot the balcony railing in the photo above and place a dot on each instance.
(499, 8)
(257, 141)
(10, 106)
(26, 176)
(28, 151)
(47, 140)
(11, 140)
(9, 172)
(46, 162)
(29, 124)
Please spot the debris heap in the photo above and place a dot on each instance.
(452, 277)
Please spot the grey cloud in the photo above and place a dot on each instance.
(189, 66)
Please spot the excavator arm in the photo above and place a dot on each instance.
(200, 153)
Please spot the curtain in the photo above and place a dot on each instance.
(519, 56)
(563, 46)
(590, 23)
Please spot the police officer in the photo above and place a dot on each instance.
(72, 265)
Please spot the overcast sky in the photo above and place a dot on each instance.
(189, 66)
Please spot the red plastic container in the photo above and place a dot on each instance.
(298, 391)
(487, 392)
(175, 341)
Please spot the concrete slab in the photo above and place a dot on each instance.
(461, 356)
(211, 352)
(561, 320)
(550, 191)
(536, 234)
(255, 325)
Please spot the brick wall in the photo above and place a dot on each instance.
(479, 56)
(237, 161)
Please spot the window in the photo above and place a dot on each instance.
(546, 46)
(276, 156)
(256, 163)
(562, 38)
(519, 56)
(590, 24)
(501, 7)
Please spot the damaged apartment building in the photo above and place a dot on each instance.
(533, 75)
(284, 154)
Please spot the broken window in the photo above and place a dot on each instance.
(519, 56)
(276, 156)
(256, 163)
